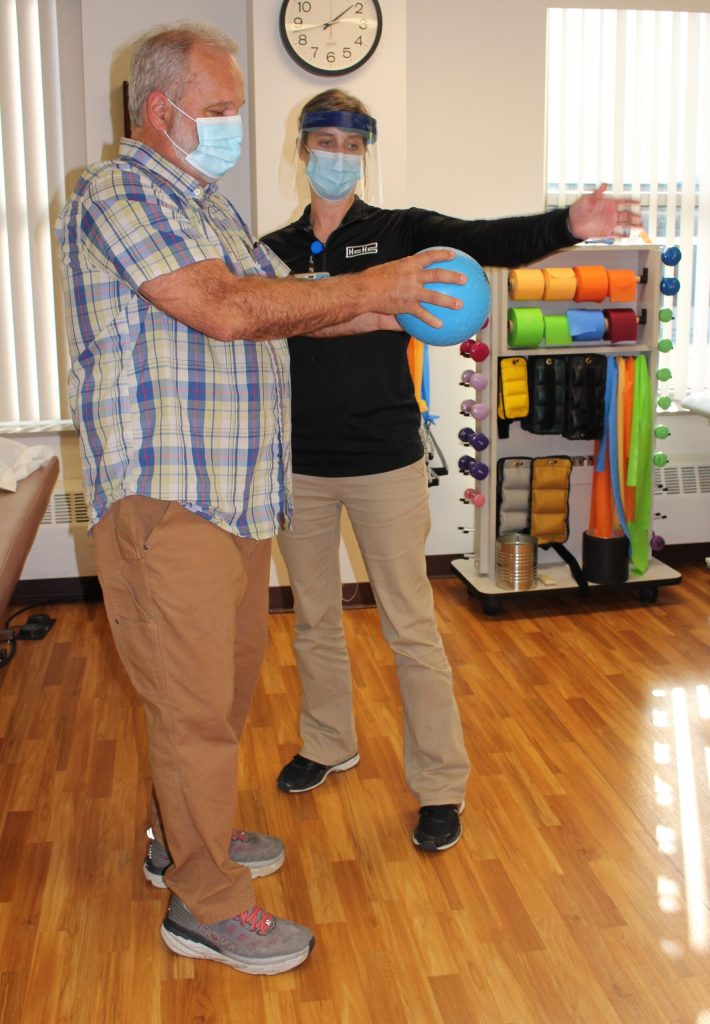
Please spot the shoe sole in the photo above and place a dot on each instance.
(197, 951)
(429, 846)
(342, 767)
(258, 870)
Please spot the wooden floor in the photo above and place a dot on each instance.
(578, 895)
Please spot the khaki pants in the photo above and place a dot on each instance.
(389, 513)
(188, 604)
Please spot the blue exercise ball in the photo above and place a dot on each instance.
(457, 324)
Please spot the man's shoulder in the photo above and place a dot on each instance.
(131, 176)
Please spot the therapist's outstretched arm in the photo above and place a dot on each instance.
(596, 215)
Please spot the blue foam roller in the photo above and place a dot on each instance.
(457, 324)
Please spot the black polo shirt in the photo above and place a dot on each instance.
(354, 410)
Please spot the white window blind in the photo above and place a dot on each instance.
(33, 357)
(628, 102)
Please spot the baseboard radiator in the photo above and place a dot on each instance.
(681, 501)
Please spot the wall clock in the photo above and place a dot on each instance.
(330, 37)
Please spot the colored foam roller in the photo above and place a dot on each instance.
(526, 285)
(560, 284)
(526, 327)
(592, 284)
(586, 324)
(622, 285)
(557, 330)
(621, 325)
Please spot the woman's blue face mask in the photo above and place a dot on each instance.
(219, 144)
(333, 175)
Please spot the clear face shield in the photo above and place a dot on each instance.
(338, 148)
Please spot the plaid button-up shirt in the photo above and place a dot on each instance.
(163, 410)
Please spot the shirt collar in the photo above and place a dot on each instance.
(138, 152)
(358, 211)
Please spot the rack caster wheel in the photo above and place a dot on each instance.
(490, 605)
(648, 594)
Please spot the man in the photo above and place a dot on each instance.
(356, 444)
(185, 439)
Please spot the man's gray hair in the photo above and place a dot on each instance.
(160, 59)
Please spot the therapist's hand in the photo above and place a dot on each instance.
(596, 215)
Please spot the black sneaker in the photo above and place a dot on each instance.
(439, 827)
(300, 774)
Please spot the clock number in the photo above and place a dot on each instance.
(330, 57)
(362, 26)
(359, 8)
(347, 53)
(304, 7)
(298, 21)
(358, 41)
(314, 51)
(302, 40)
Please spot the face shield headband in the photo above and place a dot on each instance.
(345, 120)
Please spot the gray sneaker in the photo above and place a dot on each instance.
(254, 941)
(261, 854)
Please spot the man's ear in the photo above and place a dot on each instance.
(158, 112)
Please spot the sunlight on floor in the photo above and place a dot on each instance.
(681, 782)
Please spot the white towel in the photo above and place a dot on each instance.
(698, 402)
(19, 460)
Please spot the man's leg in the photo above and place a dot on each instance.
(174, 586)
(390, 516)
(311, 551)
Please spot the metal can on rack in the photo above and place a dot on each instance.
(516, 561)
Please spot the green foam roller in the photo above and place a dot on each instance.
(526, 327)
(557, 330)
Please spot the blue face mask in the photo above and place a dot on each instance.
(333, 175)
(219, 144)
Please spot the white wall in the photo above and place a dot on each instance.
(458, 88)
(108, 31)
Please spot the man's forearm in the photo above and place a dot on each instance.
(212, 300)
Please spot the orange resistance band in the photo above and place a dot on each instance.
(415, 358)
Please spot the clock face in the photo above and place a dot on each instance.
(330, 37)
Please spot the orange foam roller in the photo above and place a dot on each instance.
(560, 284)
(622, 285)
(526, 285)
(592, 284)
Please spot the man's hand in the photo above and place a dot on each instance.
(595, 215)
(398, 287)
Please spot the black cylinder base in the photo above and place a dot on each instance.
(605, 559)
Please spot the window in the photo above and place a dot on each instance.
(33, 361)
(628, 102)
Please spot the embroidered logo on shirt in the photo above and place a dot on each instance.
(360, 250)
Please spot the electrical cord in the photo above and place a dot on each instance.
(35, 628)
